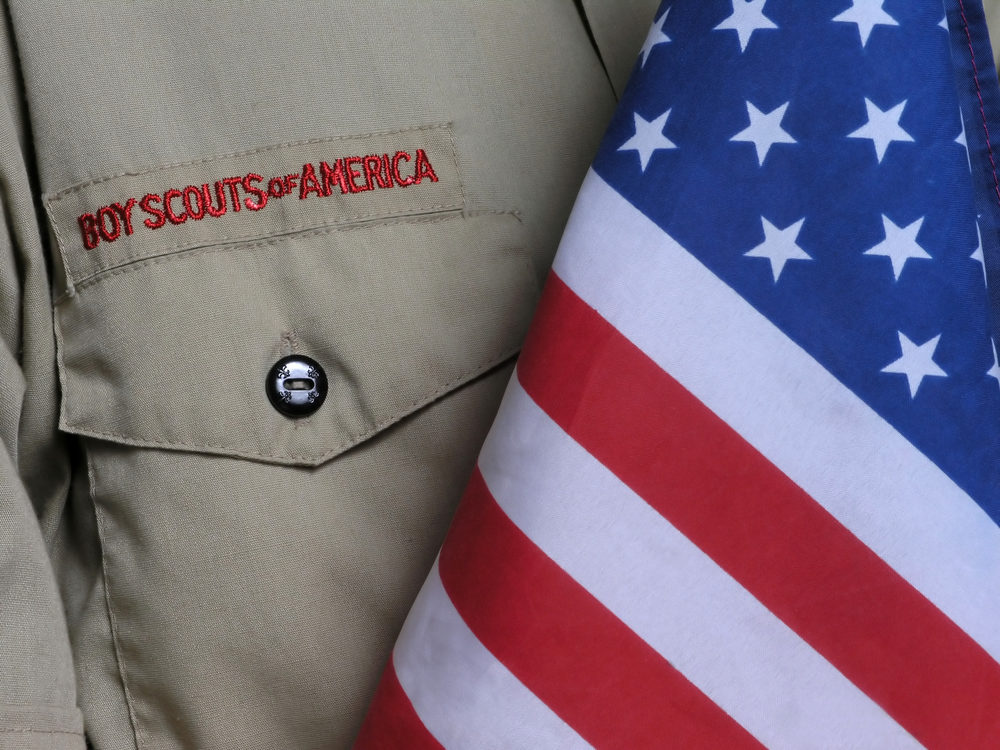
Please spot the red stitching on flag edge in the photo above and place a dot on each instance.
(979, 93)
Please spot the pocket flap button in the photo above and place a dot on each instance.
(296, 385)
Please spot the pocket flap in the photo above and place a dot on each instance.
(173, 351)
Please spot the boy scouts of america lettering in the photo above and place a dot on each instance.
(252, 191)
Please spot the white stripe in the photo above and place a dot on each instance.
(819, 433)
(670, 593)
(465, 697)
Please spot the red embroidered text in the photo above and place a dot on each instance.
(252, 192)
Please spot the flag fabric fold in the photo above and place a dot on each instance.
(744, 486)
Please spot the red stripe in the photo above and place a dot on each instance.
(565, 646)
(759, 526)
(392, 723)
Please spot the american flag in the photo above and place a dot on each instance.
(744, 488)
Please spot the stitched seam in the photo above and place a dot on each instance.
(979, 94)
(458, 168)
(129, 701)
(352, 440)
(45, 709)
(222, 239)
(41, 731)
(62, 247)
(270, 242)
(64, 387)
(218, 157)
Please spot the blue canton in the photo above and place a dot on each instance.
(812, 155)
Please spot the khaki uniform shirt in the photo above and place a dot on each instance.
(992, 8)
(191, 191)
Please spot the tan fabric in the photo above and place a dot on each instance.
(38, 698)
(233, 578)
(619, 28)
(992, 8)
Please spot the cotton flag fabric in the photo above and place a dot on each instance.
(744, 487)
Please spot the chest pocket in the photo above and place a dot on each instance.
(166, 339)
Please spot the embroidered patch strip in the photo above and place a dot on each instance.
(271, 191)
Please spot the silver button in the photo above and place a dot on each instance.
(296, 385)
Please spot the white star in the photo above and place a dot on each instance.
(917, 362)
(655, 36)
(900, 244)
(648, 137)
(977, 255)
(994, 371)
(944, 23)
(866, 14)
(882, 127)
(962, 141)
(746, 18)
(765, 130)
(779, 246)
